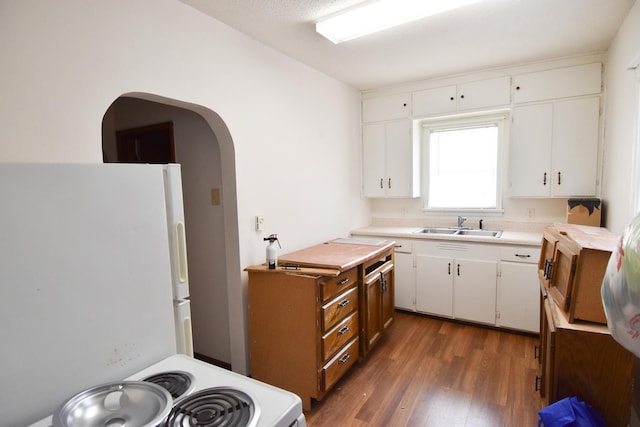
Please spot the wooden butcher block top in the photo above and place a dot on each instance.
(339, 254)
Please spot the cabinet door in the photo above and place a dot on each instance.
(574, 157)
(547, 338)
(474, 290)
(434, 285)
(387, 290)
(405, 281)
(399, 156)
(563, 272)
(519, 296)
(545, 265)
(434, 101)
(373, 311)
(386, 108)
(485, 93)
(388, 168)
(530, 151)
(374, 159)
(559, 83)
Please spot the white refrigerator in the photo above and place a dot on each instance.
(93, 279)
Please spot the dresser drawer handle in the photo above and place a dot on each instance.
(343, 281)
(523, 255)
(344, 358)
(343, 303)
(343, 330)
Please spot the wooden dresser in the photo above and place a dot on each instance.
(578, 355)
(318, 313)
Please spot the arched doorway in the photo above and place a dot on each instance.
(203, 147)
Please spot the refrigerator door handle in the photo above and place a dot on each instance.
(181, 252)
(187, 339)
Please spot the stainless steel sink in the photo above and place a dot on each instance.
(454, 231)
(481, 233)
(436, 231)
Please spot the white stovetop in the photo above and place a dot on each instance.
(277, 407)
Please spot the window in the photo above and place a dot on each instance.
(462, 163)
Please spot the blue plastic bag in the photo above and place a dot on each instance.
(569, 412)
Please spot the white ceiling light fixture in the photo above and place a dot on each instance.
(379, 15)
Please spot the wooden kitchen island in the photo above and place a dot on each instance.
(322, 309)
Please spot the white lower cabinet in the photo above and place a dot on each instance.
(405, 275)
(434, 285)
(457, 280)
(493, 284)
(474, 290)
(519, 289)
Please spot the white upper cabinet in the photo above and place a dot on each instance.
(389, 160)
(436, 101)
(464, 97)
(559, 83)
(530, 150)
(554, 149)
(383, 108)
(574, 156)
(484, 94)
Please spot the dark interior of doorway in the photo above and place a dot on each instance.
(146, 144)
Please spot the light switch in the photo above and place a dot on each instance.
(215, 196)
(259, 223)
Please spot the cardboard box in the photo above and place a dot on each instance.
(584, 212)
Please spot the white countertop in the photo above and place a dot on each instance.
(510, 237)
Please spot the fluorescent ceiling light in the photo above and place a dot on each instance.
(379, 15)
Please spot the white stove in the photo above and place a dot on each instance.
(197, 387)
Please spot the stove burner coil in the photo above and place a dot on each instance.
(217, 406)
(176, 383)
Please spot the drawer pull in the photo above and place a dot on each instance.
(343, 303)
(523, 255)
(343, 330)
(343, 281)
(344, 358)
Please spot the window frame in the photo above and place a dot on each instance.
(499, 118)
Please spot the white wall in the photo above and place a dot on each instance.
(621, 110)
(295, 153)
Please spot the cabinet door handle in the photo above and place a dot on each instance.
(523, 255)
(559, 178)
(343, 281)
(344, 303)
(381, 182)
(343, 330)
(449, 269)
(389, 183)
(458, 269)
(536, 352)
(544, 179)
(538, 378)
(344, 358)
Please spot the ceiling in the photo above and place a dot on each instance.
(488, 34)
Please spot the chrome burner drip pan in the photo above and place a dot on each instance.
(125, 403)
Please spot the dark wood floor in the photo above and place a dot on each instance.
(431, 372)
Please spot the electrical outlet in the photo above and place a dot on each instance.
(531, 213)
(259, 223)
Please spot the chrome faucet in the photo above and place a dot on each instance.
(461, 221)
